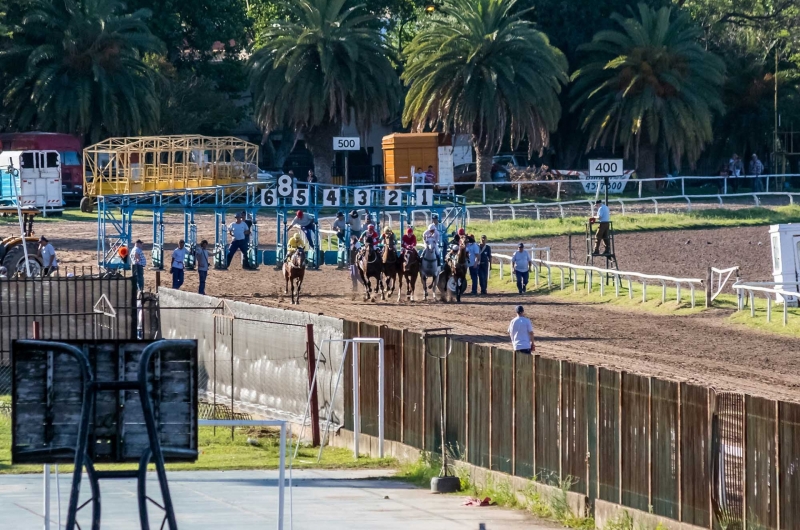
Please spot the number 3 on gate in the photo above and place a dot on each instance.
(330, 197)
(300, 197)
(361, 197)
(424, 197)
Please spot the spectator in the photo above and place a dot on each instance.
(723, 172)
(3, 273)
(419, 175)
(756, 169)
(735, 171)
(474, 261)
(485, 264)
(294, 179)
(521, 332)
(312, 178)
(139, 263)
(237, 231)
(308, 224)
(247, 232)
(521, 262)
(430, 176)
(201, 258)
(48, 254)
(177, 267)
(603, 225)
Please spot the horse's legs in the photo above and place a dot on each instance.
(299, 284)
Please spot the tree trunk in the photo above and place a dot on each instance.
(483, 164)
(319, 141)
(646, 168)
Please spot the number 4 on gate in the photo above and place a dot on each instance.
(331, 197)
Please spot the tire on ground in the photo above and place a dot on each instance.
(87, 206)
(14, 260)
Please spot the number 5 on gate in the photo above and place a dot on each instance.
(300, 197)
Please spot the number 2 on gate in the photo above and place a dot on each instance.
(392, 198)
(330, 197)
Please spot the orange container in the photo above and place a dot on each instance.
(402, 151)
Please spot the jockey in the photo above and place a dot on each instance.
(458, 237)
(370, 235)
(431, 237)
(295, 242)
(308, 224)
(408, 241)
(388, 237)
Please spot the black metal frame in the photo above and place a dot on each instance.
(155, 453)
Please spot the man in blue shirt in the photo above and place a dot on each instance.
(603, 224)
(474, 259)
(521, 263)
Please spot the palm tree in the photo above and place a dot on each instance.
(479, 69)
(327, 65)
(649, 85)
(78, 67)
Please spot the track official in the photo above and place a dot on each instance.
(603, 224)
(237, 231)
(521, 332)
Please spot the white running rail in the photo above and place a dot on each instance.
(717, 281)
(769, 289)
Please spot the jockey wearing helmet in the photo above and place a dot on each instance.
(295, 242)
(458, 237)
(370, 235)
(388, 237)
(432, 237)
(409, 240)
(308, 224)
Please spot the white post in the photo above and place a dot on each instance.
(356, 415)
(46, 507)
(519, 192)
(380, 398)
(683, 186)
(752, 304)
(769, 308)
(282, 475)
(644, 291)
(483, 188)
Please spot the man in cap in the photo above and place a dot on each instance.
(48, 254)
(603, 223)
(237, 231)
(521, 332)
(308, 224)
(521, 262)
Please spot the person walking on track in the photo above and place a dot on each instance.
(201, 258)
(474, 261)
(485, 264)
(603, 224)
(139, 263)
(306, 223)
(521, 262)
(521, 332)
(237, 231)
(177, 267)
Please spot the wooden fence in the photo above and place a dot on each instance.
(674, 449)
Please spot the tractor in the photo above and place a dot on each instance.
(12, 254)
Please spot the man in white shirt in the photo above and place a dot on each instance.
(473, 260)
(521, 332)
(237, 230)
(308, 224)
(139, 263)
(48, 254)
(177, 268)
(603, 224)
(521, 262)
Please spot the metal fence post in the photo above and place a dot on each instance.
(312, 363)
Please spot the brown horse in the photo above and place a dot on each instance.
(410, 271)
(392, 268)
(457, 270)
(293, 272)
(370, 266)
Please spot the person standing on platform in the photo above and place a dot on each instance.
(521, 262)
(603, 225)
(177, 267)
(237, 231)
(485, 264)
(201, 258)
(521, 332)
(139, 263)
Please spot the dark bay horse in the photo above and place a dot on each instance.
(370, 266)
(293, 272)
(457, 269)
(410, 265)
(392, 268)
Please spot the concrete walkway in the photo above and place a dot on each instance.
(322, 500)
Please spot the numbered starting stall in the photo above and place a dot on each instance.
(260, 201)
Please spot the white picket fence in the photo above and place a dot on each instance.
(771, 290)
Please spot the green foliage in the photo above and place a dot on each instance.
(479, 69)
(325, 66)
(78, 67)
(650, 83)
(623, 521)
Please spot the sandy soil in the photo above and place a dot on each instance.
(701, 348)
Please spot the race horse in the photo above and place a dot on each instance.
(392, 269)
(294, 271)
(370, 266)
(410, 265)
(429, 268)
(456, 270)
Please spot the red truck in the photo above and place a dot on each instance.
(69, 148)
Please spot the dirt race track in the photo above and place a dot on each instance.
(702, 348)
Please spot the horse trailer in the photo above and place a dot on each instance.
(31, 179)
